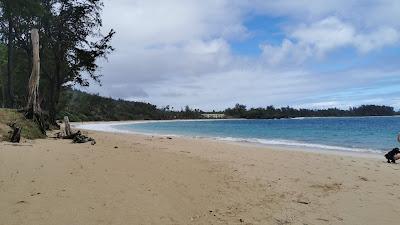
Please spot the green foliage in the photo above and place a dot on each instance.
(3, 63)
(71, 44)
(30, 130)
(81, 106)
(270, 112)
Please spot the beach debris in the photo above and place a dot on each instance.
(115, 147)
(38, 193)
(76, 137)
(79, 138)
(303, 202)
(170, 138)
(15, 133)
(67, 126)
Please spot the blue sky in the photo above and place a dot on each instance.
(212, 54)
(263, 29)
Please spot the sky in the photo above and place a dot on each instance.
(212, 54)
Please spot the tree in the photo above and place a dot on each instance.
(238, 111)
(68, 28)
(71, 46)
(16, 19)
(3, 62)
(33, 106)
(8, 17)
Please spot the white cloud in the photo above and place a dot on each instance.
(148, 22)
(376, 39)
(288, 52)
(332, 33)
(365, 13)
(179, 52)
(319, 38)
(325, 35)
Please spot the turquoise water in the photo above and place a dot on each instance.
(367, 134)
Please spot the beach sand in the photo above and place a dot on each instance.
(137, 179)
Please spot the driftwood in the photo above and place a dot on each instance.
(73, 135)
(76, 137)
(15, 134)
(83, 139)
(67, 126)
(79, 138)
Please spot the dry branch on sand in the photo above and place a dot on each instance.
(76, 137)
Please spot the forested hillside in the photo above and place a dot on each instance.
(81, 106)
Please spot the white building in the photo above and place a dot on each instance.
(213, 115)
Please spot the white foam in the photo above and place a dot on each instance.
(296, 144)
(110, 127)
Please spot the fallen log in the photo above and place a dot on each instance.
(76, 137)
(79, 138)
(72, 135)
(16, 135)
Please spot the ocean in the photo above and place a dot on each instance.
(359, 134)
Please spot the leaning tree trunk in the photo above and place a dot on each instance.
(33, 110)
(33, 106)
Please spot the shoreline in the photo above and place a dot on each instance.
(139, 179)
(313, 148)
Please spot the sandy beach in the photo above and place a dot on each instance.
(137, 179)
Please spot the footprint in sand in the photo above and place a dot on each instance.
(34, 194)
(22, 202)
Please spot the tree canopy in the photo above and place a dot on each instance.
(71, 45)
(270, 112)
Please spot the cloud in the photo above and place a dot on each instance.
(377, 39)
(366, 13)
(331, 33)
(319, 38)
(149, 22)
(288, 52)
(181, 52)
(325, 35)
